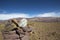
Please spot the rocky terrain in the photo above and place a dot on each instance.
(46, 28)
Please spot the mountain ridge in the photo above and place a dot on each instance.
(37, 19)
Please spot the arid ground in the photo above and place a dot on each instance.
(41, 30)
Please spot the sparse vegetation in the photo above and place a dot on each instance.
(42, 30)
(46, 31)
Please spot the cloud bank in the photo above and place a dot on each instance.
(13, 15)
(16, 15)
(49, 14)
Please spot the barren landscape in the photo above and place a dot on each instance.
(43, 28)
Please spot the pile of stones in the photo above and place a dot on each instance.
(10, 35)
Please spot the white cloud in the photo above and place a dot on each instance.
(49, 14)
(16, 15)
(13, 15)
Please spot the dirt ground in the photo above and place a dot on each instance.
(43, 31)
(46, 31)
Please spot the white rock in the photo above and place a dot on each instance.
(23, 23)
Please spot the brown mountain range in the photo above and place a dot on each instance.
(37, 19)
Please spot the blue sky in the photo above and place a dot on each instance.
(29, 8)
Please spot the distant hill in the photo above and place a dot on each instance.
(45, 19)
(37, 19)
